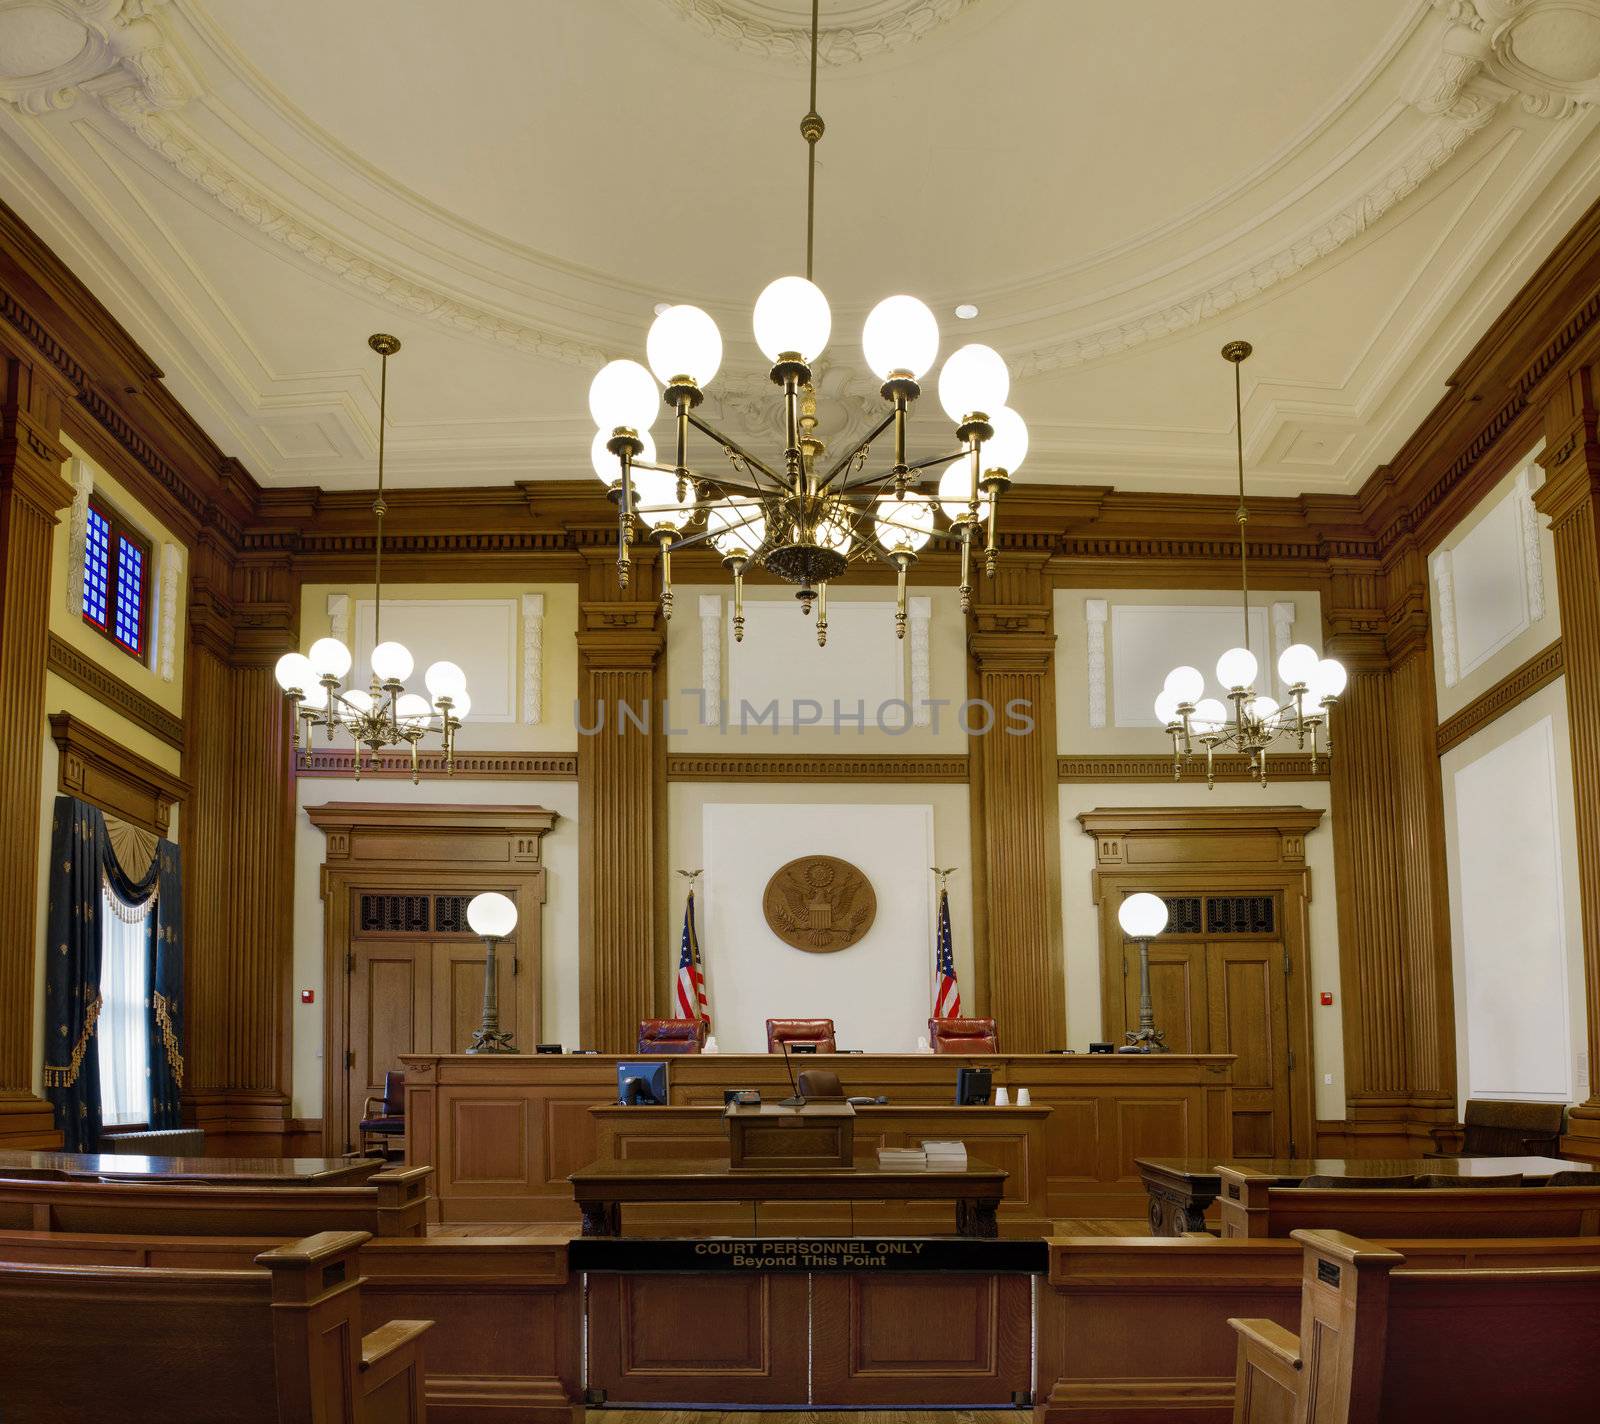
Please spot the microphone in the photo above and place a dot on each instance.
(798, 1100)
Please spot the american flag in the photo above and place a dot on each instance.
(691, 972)
(946, 992)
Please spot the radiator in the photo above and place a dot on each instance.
(159, 1142)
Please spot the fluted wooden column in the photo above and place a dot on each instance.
(1016, 833)
(32, 491)
(621, 800)
(1570, 496)
(1394, 922)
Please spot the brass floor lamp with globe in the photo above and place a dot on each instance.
(1143, 917)
(494, 917)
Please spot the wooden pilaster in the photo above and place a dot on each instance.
(1015, 807)
(621, 799)
(32, 492)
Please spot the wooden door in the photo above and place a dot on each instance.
(1247, 1004)
(1177, 993)
(391, 1012)
(457, 993)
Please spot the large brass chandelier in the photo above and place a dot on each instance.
(1256, 720)
(801, 520)
(383, 714)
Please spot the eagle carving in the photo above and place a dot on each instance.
(820, 904)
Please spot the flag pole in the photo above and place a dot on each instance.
(944, 875)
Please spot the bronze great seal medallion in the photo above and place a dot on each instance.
(820, 904)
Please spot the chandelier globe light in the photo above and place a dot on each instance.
(803, 521)
(385, 714)
(1256, 720)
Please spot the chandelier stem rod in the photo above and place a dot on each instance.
(1243, 516)
(378, 506)
(811, 128)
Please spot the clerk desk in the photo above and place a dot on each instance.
(503, 1132)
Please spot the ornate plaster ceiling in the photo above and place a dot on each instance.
(1356, 188)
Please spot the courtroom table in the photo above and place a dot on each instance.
(1181, 1188)
(505, 1131)
(212, 1171)
(601, 1188)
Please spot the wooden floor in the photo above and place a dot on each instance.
(555, 1231)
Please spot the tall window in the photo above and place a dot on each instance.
(123, 1031)
(116, 563)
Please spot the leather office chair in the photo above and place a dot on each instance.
(1577, 1177)
(793, 1031)
(672, 1035)
(820, 1085)
(1356, 1184)
(1444, 1179)
(963, 1036)
(1491, 1127)
(380, 1127)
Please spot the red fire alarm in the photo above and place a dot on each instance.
(1327, 997)
(309, 996)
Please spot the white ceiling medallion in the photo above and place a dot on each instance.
(855, 29)
(50, 47)
(1547, 50)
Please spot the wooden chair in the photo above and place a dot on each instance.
(1381, 1343)
(820, 1084)
(381, 1127)
(792, 1031)
(963, 1036)
(672, 1035)
(1492, 1128)
(152, 1345)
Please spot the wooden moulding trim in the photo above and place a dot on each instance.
(778, 767)
(96, 769)
(106, 687)
(1543, 668)
(1291, 766)
(497, 766)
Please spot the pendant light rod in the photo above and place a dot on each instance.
(1236, 352)
(811, 127)
(385, 346)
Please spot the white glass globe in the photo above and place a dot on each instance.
(792, 315)
(955, 492)
(1296, 663)
(1142, 916)
(391, 662)
(656, 501)
(1209, 716)
(1236, 668)
(1264, 708)
(1330, 679)
(444, 679)
(1166, 709)
(1007, 448)
(900, 334)
(460, 705)
(314, 697)
(329, 657)
(904, 523)
(492, 914)
(295, 673)
(357, 703)
(411, 709)
(974, 380)
(1185, 683)
(608, 466)
(737, 526)
(684, 341)
(623, 393)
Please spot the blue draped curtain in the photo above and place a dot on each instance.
(82, 860)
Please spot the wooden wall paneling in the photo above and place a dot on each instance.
(106, 687)
(95, 768)
(621, 799)
(1570, 498)
(32, 492)
(1543, 668)
(1015, 808)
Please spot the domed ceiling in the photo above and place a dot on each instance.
(511, 186)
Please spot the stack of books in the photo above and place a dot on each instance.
(902, 1159)
(946, 1156)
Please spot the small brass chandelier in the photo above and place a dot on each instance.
(1313, 683)
(384, 715)
(801, 521)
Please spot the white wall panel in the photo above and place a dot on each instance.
(1149, 640)
(1490, 584)
(1512, 918)
(477, 634)
(779, 660)
(877, 991)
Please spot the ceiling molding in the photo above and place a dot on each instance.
(884, 26)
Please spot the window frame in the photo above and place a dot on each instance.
(119, 529)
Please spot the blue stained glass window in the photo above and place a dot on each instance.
(130, 595)
(97, 568)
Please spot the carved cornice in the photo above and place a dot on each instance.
(488, 766)
(1543, 668)
(887, 26)
(106, 687)
(97, 769)
(1288, 766)
(719, 766)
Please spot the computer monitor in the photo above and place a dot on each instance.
(973, 1086)
(802, 1048)
(642, 1084)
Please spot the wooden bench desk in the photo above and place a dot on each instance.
(214, 1171)
(601, 1188)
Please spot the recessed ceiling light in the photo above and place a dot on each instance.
(662, 306)
(966, 311)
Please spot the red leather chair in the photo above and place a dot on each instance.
(793, 1031)
(963, 1036)
(672, 1035)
